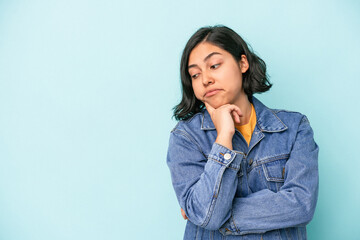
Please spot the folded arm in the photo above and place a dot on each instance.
(294, 203)
(204, 186)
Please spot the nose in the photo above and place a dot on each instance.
(207, 78)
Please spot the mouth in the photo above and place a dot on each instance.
(212, 92)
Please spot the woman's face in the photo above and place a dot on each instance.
(216, 75)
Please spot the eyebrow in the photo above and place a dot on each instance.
(205, 59)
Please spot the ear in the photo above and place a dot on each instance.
(243, 64)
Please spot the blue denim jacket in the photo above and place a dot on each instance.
(267, 190)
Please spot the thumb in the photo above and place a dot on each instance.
(209, 108)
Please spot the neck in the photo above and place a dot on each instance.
(245, 106)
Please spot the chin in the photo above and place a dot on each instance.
(217, 104)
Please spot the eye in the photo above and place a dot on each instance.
(194, 76)
(215, 66)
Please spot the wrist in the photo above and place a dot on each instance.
(225, 141)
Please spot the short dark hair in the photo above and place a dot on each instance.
(255, 79)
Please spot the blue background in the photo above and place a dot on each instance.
(86, 91)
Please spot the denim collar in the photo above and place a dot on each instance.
(266, 119)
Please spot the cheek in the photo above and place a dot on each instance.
(196, 91)
(236, 81)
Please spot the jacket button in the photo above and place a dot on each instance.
(227, 156)
(251, 161)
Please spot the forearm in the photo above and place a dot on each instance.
(208, 202)
(225, 140)
(266, 210)
(293, 204)
(206, 193)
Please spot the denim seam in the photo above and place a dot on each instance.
(304, 119)
(268, 178)
(296, 135)
(216, 160)
(232, 219)
(239, 152)
(267, 160)
(233, 167)
(202, 127)
(191, 118)
(259, 231)
(185, 134)
(279, 130)
(174, 127)
(280, 120)
(228, 165)
(287, 233)
(256, 142)
(298, 232)
(214, 157)
(280, 234)
(252, 232)
(214, 198)
(286, 127)
(224, 164)
(197, 231)
(218, 144)
(218, 181)
(284, 110)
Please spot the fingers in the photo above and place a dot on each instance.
(236, 116)
(183, 214)
(209, 108)
(233, 109)
(237, 110)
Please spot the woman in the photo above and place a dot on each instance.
(239, 169)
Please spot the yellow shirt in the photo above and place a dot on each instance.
(247, 129)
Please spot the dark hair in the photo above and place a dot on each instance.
(255, 79)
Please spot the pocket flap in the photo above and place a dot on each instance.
(275, 170)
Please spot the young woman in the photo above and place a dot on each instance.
(240, 170)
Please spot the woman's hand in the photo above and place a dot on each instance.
(223, 118)
(183, 214)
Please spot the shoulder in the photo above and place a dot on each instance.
(293, 120)
(188, 134)
(299, 128)
(275, 119)
(192, 124)
(288, 116)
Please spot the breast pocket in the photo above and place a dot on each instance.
(274, 173)
(268, 173)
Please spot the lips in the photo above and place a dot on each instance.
(211, 92)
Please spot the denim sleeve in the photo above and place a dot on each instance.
(204, 186)
(293, 205)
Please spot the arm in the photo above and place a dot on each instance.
(293, 205)
(205, 187)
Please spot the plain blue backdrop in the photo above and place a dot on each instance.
(86, 96)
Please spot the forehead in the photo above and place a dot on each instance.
(199, 53)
